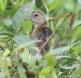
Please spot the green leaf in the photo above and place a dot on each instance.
(23, 41)
(77, 34)
(6, 52)
(3, 5)
(77, 50)
(3, 36)
(77, 23)
(21, 72)
(27, 26)
(50, 59)
(7, 22)
(5, 32)
(23, 13)
(70, 67)
(61, 57)
(30, 61)
(44, 72)
(60, 21)
(4, 68)
(69, 5)
(54, 5)
(27, 44)
(9, 63)
(61, 50)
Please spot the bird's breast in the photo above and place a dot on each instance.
(35, 34)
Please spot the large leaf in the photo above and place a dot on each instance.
(22, 14)
(27, 26)
(23, 41)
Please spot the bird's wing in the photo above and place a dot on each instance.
(48, 32)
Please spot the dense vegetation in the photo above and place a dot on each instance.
(15, 40)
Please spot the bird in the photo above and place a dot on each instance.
(42, 32)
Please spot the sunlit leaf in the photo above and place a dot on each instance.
(50, 59)
(7, 52)
(27, 26)
(3, 5)
(44, 72)
(77, 34)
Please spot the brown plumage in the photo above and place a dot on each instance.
(41, 31)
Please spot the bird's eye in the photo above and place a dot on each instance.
(36, 15)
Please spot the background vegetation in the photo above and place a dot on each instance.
(15, 41)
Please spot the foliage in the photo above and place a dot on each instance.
(15, 40)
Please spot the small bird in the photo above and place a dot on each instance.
(41, 32)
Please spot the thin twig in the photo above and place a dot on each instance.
(69, 25)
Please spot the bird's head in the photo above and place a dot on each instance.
(38, 18)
